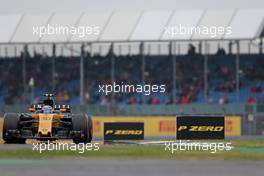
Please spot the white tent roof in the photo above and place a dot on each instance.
(151, 25)
(181, 18)
(24, 28)
(92, 19)
(132, 25)
(121, 25)
(8, 26)
(212, 19)
(247, 23)
(61, 20)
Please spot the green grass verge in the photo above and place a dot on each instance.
(243, 150)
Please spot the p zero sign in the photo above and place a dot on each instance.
(200, 127)
(123, 131)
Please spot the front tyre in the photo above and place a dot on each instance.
(83, 124)
(11, 122)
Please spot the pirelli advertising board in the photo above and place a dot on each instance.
(160, 125)
(200, 127)
(123, 131)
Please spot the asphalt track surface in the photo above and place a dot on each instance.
(78, 167)
(125, 167)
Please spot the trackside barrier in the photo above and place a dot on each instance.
(156, 125)
(161, 125)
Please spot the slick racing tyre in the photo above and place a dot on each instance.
(83, 124)
(11, 121)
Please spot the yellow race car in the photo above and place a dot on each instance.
(47, 121)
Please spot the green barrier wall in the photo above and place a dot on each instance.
(137, 110)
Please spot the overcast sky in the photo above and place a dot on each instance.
(28, 6)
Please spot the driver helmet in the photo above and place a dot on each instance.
(47, 109)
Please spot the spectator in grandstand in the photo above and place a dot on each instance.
(225, 72)
(260, 99)
(210, 100)
(104, 101)
(132, 100)
(154, 100)
(170, 99)
(192, 91)
(185, 100)
(87, 98)
(220, 52)
(191, 50)
(63, 96)
(251, 100)
(189, 74)
(228, 86)
(256, 88)
(223, 100)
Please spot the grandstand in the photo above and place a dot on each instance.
(133, 46)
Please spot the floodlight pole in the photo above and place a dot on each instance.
(172, 52)
(112, 71)
(143, 67)
(237, 71)
(230, 51)
(53, 67)
(24, 74)
(81, 75)
(206, 70)
(261, 46)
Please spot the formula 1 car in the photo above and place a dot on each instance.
(47, 121)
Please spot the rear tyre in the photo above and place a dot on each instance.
(83, 124)
(11, 121)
